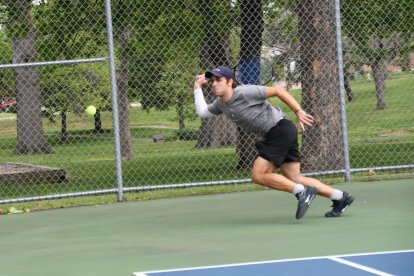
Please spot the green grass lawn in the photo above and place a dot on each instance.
(376, 138)
(382, 137)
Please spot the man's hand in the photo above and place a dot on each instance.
(303, 119)
(200, 81)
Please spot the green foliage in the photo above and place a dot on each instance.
(3, 15)
(222, 15)
(72, 88)
(15, 15)
(5, 48)
(175, 87)
(165, 59)
(376, 29)
(6, 75)
(70, 29)
(280, 25)
(137, 14)
(11, 109)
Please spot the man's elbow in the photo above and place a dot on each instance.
(205, 114)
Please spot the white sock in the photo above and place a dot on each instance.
(337, 195)
(298, 188)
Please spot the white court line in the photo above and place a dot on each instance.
(275, 261)
(362, 267)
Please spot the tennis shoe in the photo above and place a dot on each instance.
(339, 206)
(305, 198)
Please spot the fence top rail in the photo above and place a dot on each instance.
(58, 62)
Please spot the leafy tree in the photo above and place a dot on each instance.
(7, 88)
(137, 28)
(71, 30)
(177, 79)
(377, 32)
(70, 88)
(168, 39)
(22, 32)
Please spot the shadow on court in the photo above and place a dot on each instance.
(122, 238)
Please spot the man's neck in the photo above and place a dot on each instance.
(227, 96)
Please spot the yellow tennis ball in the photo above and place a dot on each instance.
(90, 110)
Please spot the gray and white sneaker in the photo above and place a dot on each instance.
(339, 206)
(305, 199)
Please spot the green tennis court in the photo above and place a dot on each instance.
(123, 238)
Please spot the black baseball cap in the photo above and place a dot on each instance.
(221, 71)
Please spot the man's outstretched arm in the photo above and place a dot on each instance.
(199, 100)
(302, 117)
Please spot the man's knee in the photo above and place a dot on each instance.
(260, 177)
(257, 177)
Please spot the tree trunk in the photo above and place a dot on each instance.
(123, 103)
(30, 133)
(379, 70)
(63, 129)
(322, 147)
(219, 130)
(405, 62)
(98, 122)
(252, 26)
(348, 89)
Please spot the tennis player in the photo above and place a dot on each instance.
(246, 106)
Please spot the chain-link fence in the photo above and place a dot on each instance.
(136, 61)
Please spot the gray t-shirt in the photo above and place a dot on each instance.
(249, 109)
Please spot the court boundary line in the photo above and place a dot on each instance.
(359, 266)
(145, 273)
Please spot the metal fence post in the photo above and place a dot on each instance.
(341, 90)
(114, 97)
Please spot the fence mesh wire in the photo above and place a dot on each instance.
(54, 64)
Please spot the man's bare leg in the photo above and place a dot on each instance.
(263, 174)
(291, 170)
(341, 200)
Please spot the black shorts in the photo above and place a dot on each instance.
(280, 145)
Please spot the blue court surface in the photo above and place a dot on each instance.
(389, 263)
